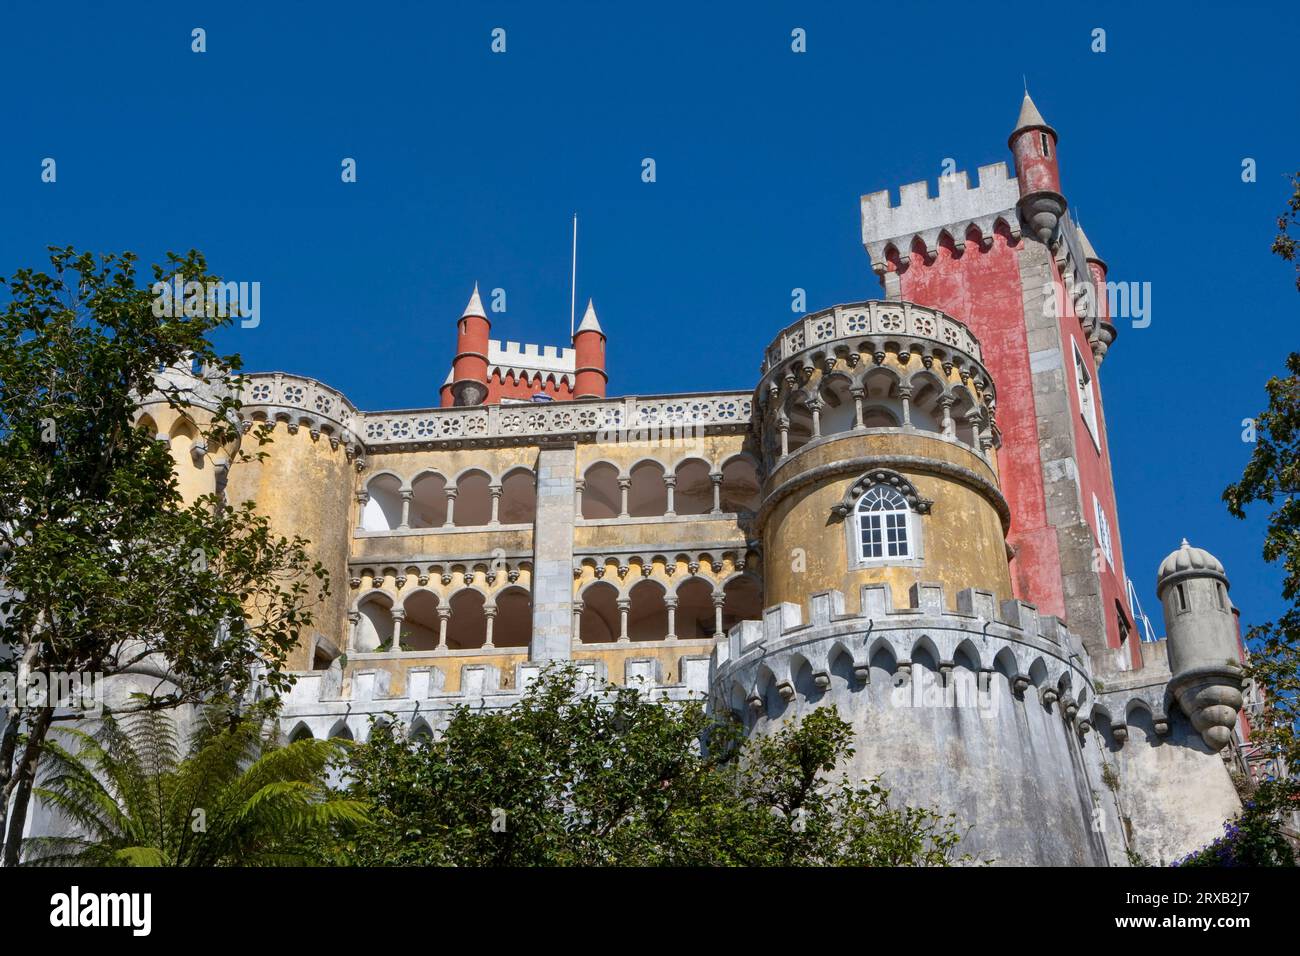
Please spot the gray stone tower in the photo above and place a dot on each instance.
(1203, 646)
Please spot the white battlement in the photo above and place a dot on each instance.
(957, 207)
(319, 703)
(545, 358)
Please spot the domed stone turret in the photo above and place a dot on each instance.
(1189, 562)
(1203, 650)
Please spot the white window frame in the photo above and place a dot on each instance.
(1086, 393)
(1103, 531)
(902, 518)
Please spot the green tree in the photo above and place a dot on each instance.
(104, 569)
(612, 777)
(1272, 478)
(235, 797)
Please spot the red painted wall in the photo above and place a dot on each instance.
(983, 289)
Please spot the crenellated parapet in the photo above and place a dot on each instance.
(326, 705)
(955, 212)
(784, 656)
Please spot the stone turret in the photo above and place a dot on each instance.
(1203, 649)
(589, 348)
(1041, 204)
(470, 366)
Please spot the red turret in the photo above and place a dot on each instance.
(589, 350)
(1034, 144)
(469, 369)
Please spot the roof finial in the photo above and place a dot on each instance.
(589, 320)
(475, 306)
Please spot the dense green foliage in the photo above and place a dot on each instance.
(234, 797)
(104, 569)
(1254, 838)
(615, 778)
(1272, 478)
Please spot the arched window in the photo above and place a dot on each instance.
(884, 525)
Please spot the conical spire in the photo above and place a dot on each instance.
(1029, 115)
(475, 306)
(589, 321)
(1089, 253)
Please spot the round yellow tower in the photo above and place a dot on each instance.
(879, 447)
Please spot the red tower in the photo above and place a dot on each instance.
(469, 368)
(1033, 143)
(1005, 258)
(589, 348)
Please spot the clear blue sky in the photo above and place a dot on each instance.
(470, 165)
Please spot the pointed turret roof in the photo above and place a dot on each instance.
(475, 306)
(1030, 118)
(1089, 253)
(589, 320)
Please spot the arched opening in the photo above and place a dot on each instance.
(884, 525)
(428, 501)
(600, 618)
(740, 486)
(341, 731)
(473, 507)
(383, 507)
(513, 626)
(300, 732)
(965, 417)
(694, 619)
(375, 624)
(694, 492)
(882, 404)
(467, 627)
(420, 629)
(601, 497)
(648, 495)
(838, 408)
(799, 432)
(518, 503)
(647, 617)
(744, 601)
(926, 412)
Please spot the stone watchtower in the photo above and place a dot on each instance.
(1204, 648)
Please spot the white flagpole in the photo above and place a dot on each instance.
(573, 288)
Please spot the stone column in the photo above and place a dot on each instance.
(671, 603)
(905, 393)
(719, 599)
(406, 509)
(399, 615)
(362, 498)
(451, 508)
(815, 407)
(444, 613)
(783, 426)
(623, 485)
(858, 393)
(489, 613)
(716, 478)
(553, 553)
(624, 604)
(580, 486)
(577, 623)
(946, 403)
(670, 482)
(354, 618)
(495, 492)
